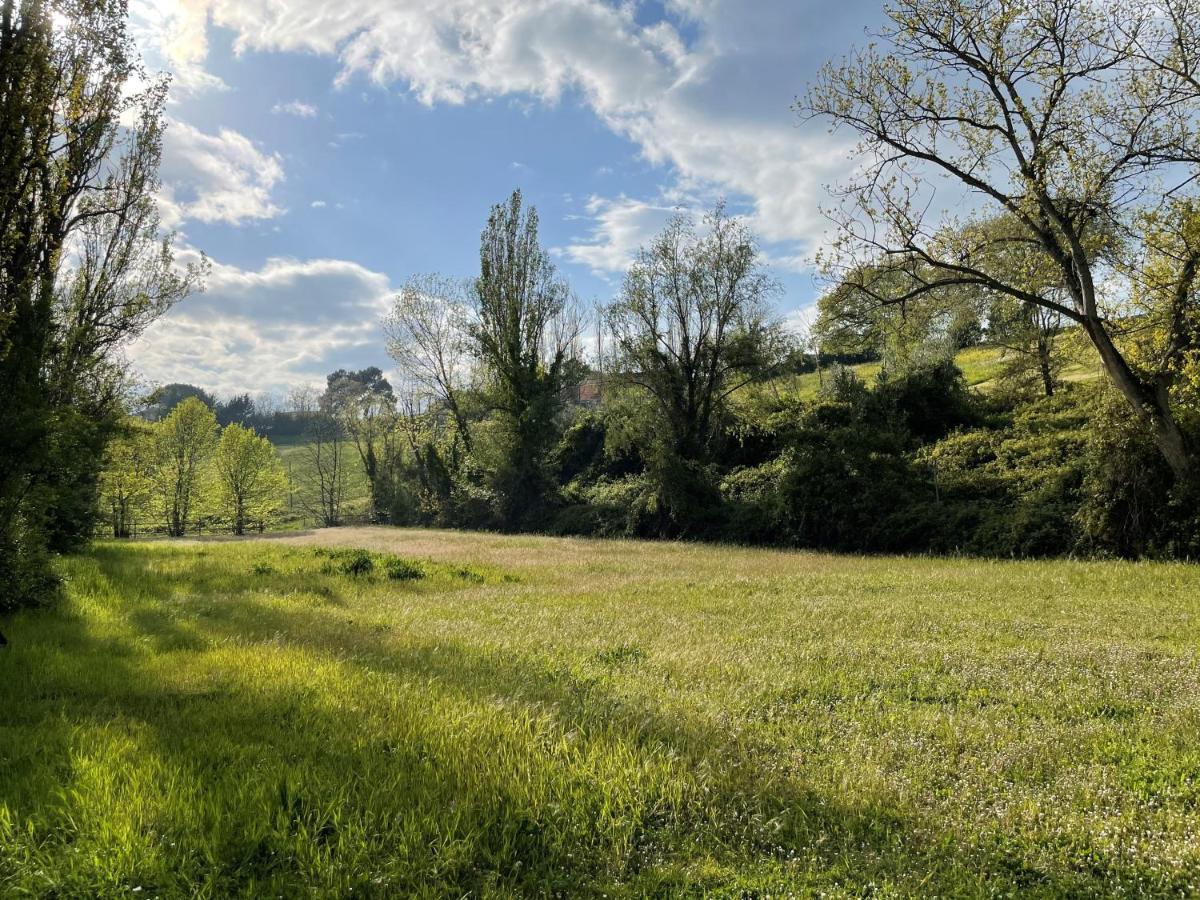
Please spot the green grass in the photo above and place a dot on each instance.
(980, 367)
(496, 716)
(302, 500)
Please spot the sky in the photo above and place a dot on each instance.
(320, 153)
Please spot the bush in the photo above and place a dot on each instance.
(1130, 506)
(346, 562)
(398, 569)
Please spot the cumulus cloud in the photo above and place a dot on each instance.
(715, 108)
(222, 177)
(174, 34)
(297, 108)
(619, 227)
(285, 325)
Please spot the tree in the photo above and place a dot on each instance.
(164, 399)
(524, 333)
(250, 477)
(428, 338)
(1030, 333)
(184, 442)
(239, 409)
(852, 322)
(1076, 121)
(82, 266)
(125, 482)
(364, 404)
(692, 325)
(322, 470)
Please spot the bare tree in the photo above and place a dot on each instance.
(427, 331)
(1073, 119)
(321, 474)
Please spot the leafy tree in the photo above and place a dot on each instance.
(239, 409)
(524, 332)
(852, 322)
(164, 399)
(82, 268)
(125, 483)
(1030, 333)
(1026, 106)
(184, 442)
(250, 478)
(691, 326)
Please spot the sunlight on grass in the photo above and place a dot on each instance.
(510, 715)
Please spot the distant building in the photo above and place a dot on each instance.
(589, 392)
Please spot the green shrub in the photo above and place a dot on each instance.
(398, 569)
(346, 562)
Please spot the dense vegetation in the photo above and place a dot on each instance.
(453, 714)
(84, 267)
(706, 420)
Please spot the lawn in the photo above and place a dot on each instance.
(485, 715)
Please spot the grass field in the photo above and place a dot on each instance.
(980, 367)
(302, 503)
(494, 716)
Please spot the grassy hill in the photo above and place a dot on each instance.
(302, 497)
(511, 716)
(980, 366)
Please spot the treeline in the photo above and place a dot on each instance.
(682, 419)
(186, 470)
(265, 414)
(695, 433)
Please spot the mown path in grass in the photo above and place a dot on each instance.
(510, 716)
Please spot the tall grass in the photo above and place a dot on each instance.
(499, 716)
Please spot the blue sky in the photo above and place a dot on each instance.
(321, 153)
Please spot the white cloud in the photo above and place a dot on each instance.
(620, 227)
(716, 111)
(285, 325)
(174, 34)
(296, 108)
(219, 177)
(318, 204)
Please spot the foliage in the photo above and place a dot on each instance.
(83, 265)
(691, 326)
(363, 404)
(183, 444)
(250, 478)
(524, 333)
(1025, 106)
(159, 403)
(126, 480)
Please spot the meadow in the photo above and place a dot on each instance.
(384, 712)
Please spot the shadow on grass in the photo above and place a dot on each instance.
(293, 796)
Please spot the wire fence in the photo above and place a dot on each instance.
(207, 526)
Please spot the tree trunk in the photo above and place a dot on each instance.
(1151, 405)
(1044, 367)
